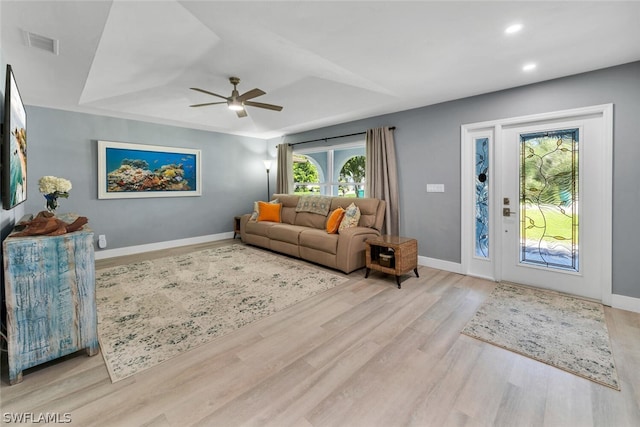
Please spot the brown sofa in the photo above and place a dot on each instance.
(303, 234)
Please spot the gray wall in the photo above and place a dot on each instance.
(63, 144)
(428, 151)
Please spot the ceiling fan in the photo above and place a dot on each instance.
(237, 102)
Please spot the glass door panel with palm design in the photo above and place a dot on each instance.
(549, 194)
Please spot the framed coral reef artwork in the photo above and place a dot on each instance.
(136, 170)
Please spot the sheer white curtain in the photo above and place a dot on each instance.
(382, 174)
(284, 175)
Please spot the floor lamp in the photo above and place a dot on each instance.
(267, 165)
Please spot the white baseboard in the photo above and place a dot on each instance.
(625, 303)
(130, 250)
(453, 267)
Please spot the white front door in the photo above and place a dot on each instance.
(550, 198)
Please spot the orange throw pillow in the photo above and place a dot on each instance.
(269, 211)
(334, 220)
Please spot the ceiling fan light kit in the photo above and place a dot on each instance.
(237, 102)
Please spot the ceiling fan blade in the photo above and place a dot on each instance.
(208, 103)
(253, 93)
(263, 105)
(241, 113)
(208, 93)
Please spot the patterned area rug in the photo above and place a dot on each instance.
(565, 332)
(151, 311)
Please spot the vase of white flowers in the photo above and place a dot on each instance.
(53, 188)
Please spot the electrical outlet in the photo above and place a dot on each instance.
(435, 188)
(102, 241)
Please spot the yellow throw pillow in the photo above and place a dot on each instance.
(334, 220)
(269, 211)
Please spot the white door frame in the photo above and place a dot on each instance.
(475, 267)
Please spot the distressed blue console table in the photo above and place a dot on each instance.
(50, 297)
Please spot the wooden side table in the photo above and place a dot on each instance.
(405, 255)
(236, 226)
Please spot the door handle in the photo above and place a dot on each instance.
(507, 212)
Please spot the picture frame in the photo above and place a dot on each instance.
(127, 170)
(14, 145)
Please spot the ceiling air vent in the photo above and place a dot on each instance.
(42, 42)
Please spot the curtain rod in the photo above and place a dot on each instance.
(334, 137)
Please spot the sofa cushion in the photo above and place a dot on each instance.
(259, 228)
(319, 240)
(368, 208)
(256, 209)
(307, 219)
(334, 220)
(350, 218)
(269, 211)
(315, 204)
(285, 233)
(285, 248)
(319, 257)
(289, 204)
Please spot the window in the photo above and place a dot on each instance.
(335, 171)
(352, 177)
(305, 174)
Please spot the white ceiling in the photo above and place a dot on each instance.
(325, 62)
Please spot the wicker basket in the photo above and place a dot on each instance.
(386, 260)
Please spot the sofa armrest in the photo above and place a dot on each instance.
(358, 231)
(351, 249)
(243, 225)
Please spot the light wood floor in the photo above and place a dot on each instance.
(362, 354)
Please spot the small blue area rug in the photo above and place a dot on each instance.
(559, 330)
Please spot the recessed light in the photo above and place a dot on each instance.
(512, 29)
(529, 67)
